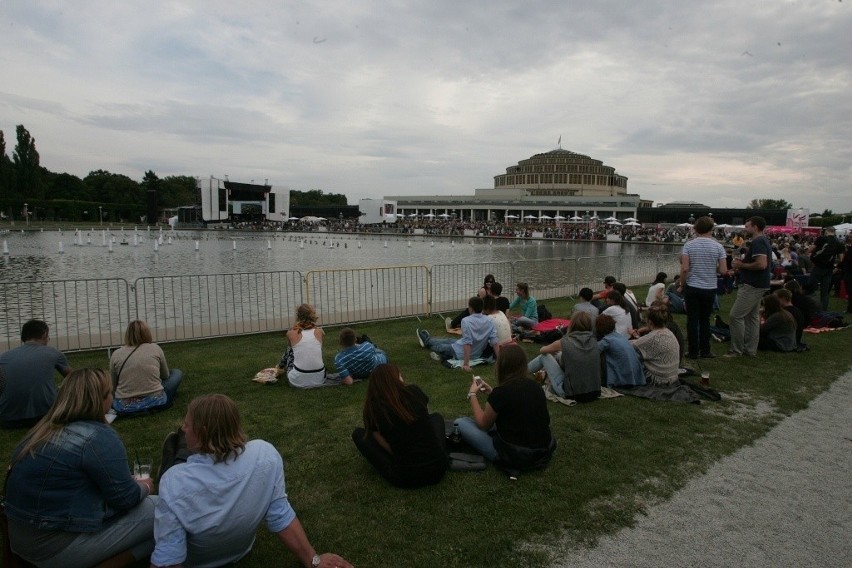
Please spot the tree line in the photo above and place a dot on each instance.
(53, 196)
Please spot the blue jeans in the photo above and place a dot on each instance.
(699, 306)
(479, 440)
(170, 387)
(526, 322)
(443, 347)
(555, 374)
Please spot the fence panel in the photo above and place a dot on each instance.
(82, 314)
(547, 277)
(454, 284)
(348, 296)
(198, 306)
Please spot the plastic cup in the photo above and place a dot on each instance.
(705, 378)
(142, 469)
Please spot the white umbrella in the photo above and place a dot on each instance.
(444, 215)
(530, 217)
(576, 218)
(634, 224)
(292, 218)
(413, 215)
(632, 220)
(511, 216)
(684, 225)
(614, 223)
(610, 218)
(559, 218)
(595, 218)
(545, 217)
(430, 215)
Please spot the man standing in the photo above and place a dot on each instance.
(478, 331)
(210, 506)
(701, 261)
(29, 388)
(754, 269)
(824, 253)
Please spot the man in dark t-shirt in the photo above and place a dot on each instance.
(824, 254)
(754, 269)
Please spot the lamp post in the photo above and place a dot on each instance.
(101, 214)
(26, 215)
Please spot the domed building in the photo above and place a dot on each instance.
(558, 184)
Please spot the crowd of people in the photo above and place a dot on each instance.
(71, 498)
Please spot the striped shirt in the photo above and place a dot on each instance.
(704, 255)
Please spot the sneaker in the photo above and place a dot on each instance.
(435, 356)
(422, 337)
(448, 323)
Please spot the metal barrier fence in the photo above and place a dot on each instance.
(90, 314)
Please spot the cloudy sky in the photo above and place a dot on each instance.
(719, 102)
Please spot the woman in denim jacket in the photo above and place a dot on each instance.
(70, 497)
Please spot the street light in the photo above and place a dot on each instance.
(101, 214)
(26, 215)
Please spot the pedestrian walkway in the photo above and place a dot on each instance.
(785, 501)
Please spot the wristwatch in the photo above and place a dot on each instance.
(315, 561)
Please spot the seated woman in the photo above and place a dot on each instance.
(529, 308)
(70, 498)
(657, 290)
(778, 331)
(671, 324)
(303, 360)
(140, 373)
(617, 310)
(513, 430)
(400, 438)
(621, 367)
(573, 363)
(484, 291)
(658, 349)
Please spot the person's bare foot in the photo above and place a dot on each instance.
(348, 381)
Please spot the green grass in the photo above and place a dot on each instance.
(615, 457)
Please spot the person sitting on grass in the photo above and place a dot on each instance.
(513, 430)
(501, 301)
(400, 438)
(629, 303)
(70, 497)
(478, 332)
(617, 310)
(529, 308)
(501, 322)
(485, 290)
(658, 349)
(785, 298)
(598, 300)
(211, 505)
(573, 363)
(657, 289)
(621, 366)
(778, 330)
(302, 361)
(584, 304)
(671, 324)
(356, 360)
(142, 378)
(808, 305)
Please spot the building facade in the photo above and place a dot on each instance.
(559, 185)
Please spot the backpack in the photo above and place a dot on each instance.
(825, 255)
(543, 313)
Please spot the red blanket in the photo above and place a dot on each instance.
(551, 324)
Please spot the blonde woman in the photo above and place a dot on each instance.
(70, 498)
(140, 373)
(303, 360)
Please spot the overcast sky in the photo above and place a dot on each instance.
(718, 102)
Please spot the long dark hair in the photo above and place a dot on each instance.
(385, 394)
(511, 364)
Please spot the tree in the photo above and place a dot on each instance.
(5, 169)
(316, 197)
(827, 213)
(65, 186)
(28, 180)
(769, 204)
(106, 187)
(177, 191)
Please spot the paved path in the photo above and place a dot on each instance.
(785, 501)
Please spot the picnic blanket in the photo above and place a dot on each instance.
(606, 392)
(550, 325)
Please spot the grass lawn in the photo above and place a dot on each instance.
(615, 457)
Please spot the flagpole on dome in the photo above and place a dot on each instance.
(559, 143)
